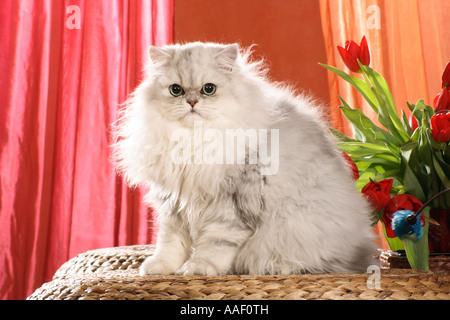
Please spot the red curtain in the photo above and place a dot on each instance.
(65, 68)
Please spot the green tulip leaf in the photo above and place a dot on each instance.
(395, 244)
(418, 252)
(358, 84)
(387, 112)
(340, 136)
(365, 130)
(442, 171)
(405, 123)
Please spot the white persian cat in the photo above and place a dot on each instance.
(224, 209)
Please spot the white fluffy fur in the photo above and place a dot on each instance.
(221, 219)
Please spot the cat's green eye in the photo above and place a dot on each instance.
(176, 90)
(209, 89)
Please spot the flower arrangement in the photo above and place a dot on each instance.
(403, 163)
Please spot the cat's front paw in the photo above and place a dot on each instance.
(198, 267)
(155, 265)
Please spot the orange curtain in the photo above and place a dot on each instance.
(409, 47)
(409, 42)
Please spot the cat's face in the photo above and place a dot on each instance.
(194, 82)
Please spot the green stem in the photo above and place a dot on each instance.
(366, 79)
(417, 252)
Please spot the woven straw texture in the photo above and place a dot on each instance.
(112, 274)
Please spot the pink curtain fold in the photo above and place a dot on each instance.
(60, 90)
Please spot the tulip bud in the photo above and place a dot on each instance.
(352, 53)
(442, 101)
(378, 193)
(440, 127)
(413, 123)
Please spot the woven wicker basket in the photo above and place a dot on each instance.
(112, 274)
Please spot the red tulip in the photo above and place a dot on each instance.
(435, 100)
(352, 52)
(352, 166)
(378, 193)
(442, 101)
(446, 76)
(396, 203)
(440, 127)
(413, 122)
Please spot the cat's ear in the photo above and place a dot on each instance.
(226, 57)
(159, 56)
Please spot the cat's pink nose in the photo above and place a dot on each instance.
(192, 102)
